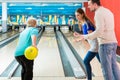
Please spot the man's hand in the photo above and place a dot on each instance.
(81, 37)
(76, 34)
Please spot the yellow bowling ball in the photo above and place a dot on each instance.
(31, 52)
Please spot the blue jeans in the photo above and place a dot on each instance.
(90, 55)
(107, 53)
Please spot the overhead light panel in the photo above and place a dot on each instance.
(12, 4)
(61, 8)
(29, 8)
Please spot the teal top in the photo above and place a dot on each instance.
(25, 40)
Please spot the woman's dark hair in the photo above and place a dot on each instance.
(80, 11)
(95, 1)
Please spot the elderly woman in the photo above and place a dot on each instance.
(27, 38)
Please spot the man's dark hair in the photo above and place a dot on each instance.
(95, 1)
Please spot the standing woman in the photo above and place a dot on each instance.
(87, 27)
(27, 38)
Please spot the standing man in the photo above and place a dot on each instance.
(104, 22)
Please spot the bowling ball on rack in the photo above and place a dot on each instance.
(31, 52)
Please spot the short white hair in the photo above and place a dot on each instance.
(31, 22)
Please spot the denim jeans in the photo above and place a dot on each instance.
(89, 56)
(27, 67)
(107, 53)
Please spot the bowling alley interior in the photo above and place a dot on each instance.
(58, 55)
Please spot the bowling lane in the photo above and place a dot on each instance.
(7, 35)
(82, 48)
(48, 63)
(7, 55)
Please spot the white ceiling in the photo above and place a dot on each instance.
(56, 1)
